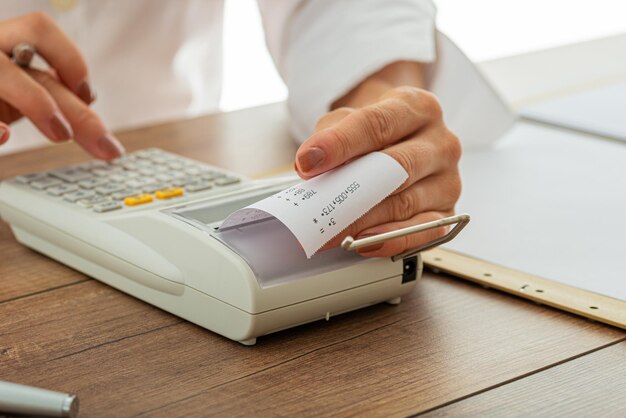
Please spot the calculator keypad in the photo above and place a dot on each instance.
(139, 178)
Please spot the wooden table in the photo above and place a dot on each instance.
(450, 348)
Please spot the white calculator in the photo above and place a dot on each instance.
(148, 225)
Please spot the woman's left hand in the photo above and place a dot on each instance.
(407, 124)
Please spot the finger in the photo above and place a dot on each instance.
(53, 45)
(368, 129)
(5, 132)
(89, 130)
(436, 193)
(32, 100)
(332, 118)
(8, 114)
(399, 245)
(326, 121)
(431, 151)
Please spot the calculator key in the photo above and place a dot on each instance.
(143, 153)
(183, 181)
(160, 159)
(156, 186)
(90, 165)
(225, 181)
(27, 178)
(118, 177)
(78, 195)
(124, 159)
(176, 165)
(123, 176)
(198, 186)
(197, 170)
(71, 175)
(131, 165)
(110, 188)
(175, 174)
(93, 182)
(164, 177)
(188, 163)
(140, 183)
(213, 175)
(147, 171)
(45, 182)
(93, 200)
(107, 207)
(61, 189)
(123, 194)
(131, 174)
(130, 171)
(107, 170)
(169, 193)
(139, 199)
(143, 163)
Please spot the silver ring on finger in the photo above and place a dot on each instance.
(23, 54)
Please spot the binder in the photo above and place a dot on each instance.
(548, 205)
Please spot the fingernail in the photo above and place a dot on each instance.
(374, 247)
(61, 129)
(110, 147)
(311, 158)
(3, 134)
(86, 93)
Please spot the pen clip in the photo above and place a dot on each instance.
(459, 222)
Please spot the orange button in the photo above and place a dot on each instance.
(139, 199)
(169, 193)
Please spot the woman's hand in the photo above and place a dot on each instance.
(56, 101)
(405, 123)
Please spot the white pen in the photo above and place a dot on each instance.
(28, 400)
(350, 244)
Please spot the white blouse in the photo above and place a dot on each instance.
(156, 60)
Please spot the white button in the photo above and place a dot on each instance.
(61, 189)
(76, 196)
(107, 207)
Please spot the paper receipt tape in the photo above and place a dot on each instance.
(317, 210)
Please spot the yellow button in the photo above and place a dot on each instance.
(139, 199)
(169, 193)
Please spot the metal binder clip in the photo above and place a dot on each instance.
(349, 244)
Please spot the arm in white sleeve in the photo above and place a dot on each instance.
(324, 48)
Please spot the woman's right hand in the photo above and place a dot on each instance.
(56, 101)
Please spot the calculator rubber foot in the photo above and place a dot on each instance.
(394, 301)
(251, 341)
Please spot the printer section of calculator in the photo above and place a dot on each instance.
(148, 225)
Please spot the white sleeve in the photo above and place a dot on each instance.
(324, 48)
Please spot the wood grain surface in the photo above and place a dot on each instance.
(447, 341)
(592, 385)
